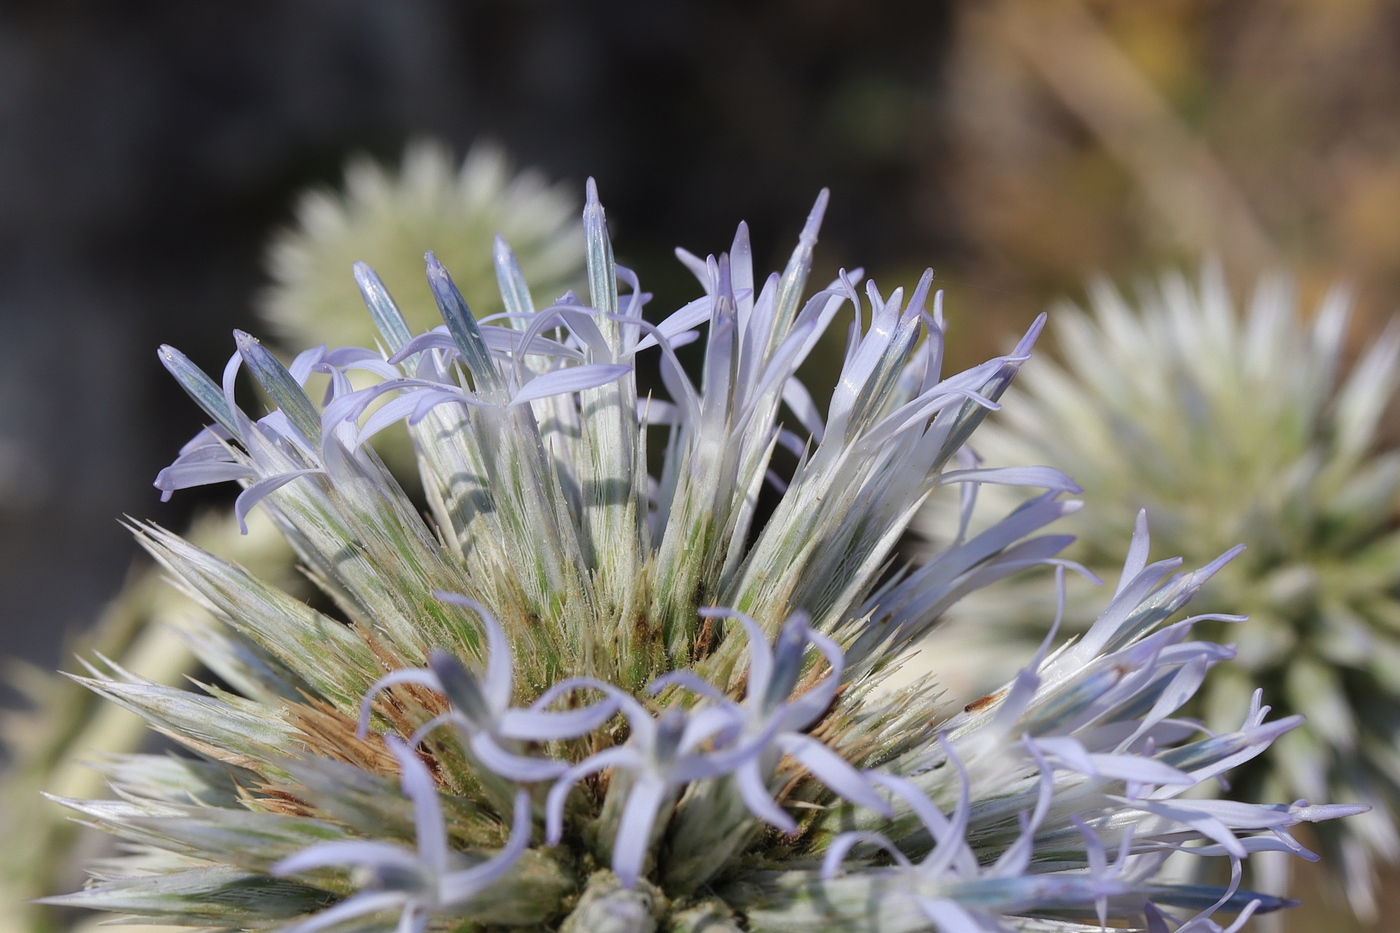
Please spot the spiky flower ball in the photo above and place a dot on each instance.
(583, 698)
(388, 219)
(1242, 428)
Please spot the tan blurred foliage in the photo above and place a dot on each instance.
(1118, 135)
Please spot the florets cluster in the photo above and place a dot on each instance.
(584, 698)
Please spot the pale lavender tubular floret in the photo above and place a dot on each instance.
(745, 740)
(478, 346)
(278, 448)
(661, 756)
(296, 440)
(419, 882)
(481, 709)
(769, 712)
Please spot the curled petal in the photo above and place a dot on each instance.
(841, 846)
(360, 853)
(509, 765)
(405, 675)
(559, 793)
(760, 654)
(689, 316)
(570, 379)
(418, 787)
(952, 851)
(459, 886)
(435, 339)
(432, 725)
(368, 902)
(688, 680)
(754, 792)
(833, 771)
(200, 473)
(532, 725)
(260, 490)
(1044, 477)
(499, 682)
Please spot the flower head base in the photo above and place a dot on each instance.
(563, 617)
(1241, 428)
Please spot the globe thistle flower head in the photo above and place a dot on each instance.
(1244, 427)
(586, 698)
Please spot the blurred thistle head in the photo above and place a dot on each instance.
(389, 217)
(1244, 427)
(587, 698)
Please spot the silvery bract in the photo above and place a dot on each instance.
(1243, 428)
(583, 698)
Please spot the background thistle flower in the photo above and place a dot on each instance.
(390, 217)
(1231, 427)
(692, 703)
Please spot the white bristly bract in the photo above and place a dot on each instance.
(580, 694)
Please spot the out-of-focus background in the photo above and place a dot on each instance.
(149, 151)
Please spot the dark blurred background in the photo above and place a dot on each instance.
(149, 150)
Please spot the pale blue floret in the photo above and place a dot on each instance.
(771, 713)
(1067, 714)
(960, 895)
(481, 708)
(418, 883)
(662, 755)
(296, 440)
(666, 753)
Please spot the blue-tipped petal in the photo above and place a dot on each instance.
(461, 324)
(602, 277)
(382, 309)
(459, 886)
(203, 390)
(281, 385)
(515, 293)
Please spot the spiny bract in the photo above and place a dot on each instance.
(587, 699)
(1240, 428)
